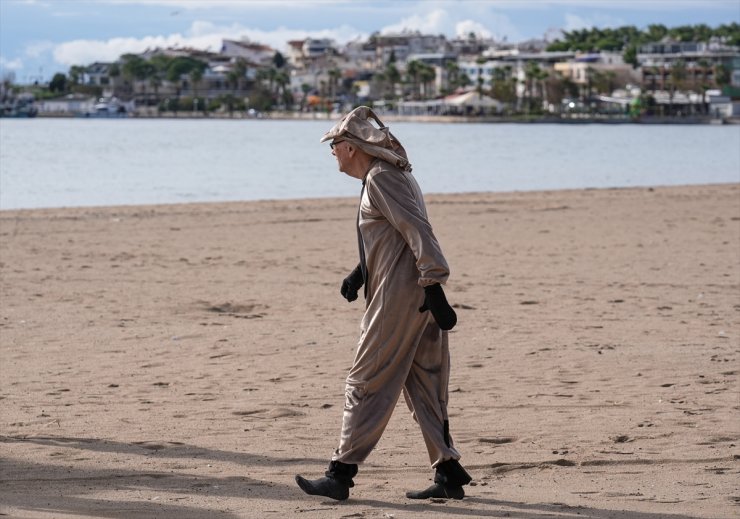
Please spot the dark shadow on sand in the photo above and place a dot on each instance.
(61, 488)
(516, 510)
(162, 449)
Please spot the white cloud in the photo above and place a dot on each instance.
(230, 4)
(465, 27)
(37, 48)
(574, 22)
(433, 22)
(485, 23)
(202, 35)
(500, 26)
(15, 64)
(83, 52)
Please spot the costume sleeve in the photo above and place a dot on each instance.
(398, 198)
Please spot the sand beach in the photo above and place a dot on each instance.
(186, 361)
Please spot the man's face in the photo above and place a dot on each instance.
(339, 150)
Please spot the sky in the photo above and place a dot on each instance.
(41, 37)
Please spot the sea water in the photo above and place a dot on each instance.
(101, 162)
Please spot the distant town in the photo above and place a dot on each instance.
(689, 73)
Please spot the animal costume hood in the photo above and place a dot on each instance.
(356, 128)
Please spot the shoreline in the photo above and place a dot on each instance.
(332, 199)
(187, 360)
(454, 119)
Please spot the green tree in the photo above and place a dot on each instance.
(559, 87)
(656, 32)
(380, 83)
(621, 38)
(282, 80)
(704, 84)
(76, 73)
(241, 69)
(305, 89)
(114, 72)
(233, 79)
(729, 33)
(722, 75)
(155, 81)
(196, 76)
(413, 71)
(630, 56)
(534, 90)
(58, 83)
(392, 74)
(334, 76)
(453, 76)
(278, 60)
(603, 81)
(427, 75)
(677, 80)
(135, 68)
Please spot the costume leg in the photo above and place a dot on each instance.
(384, 356)
(426, 391)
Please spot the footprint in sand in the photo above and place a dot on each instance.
(277, 412)
(239, 311)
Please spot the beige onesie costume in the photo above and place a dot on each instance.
(401, 348)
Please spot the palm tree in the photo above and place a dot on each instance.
(240, 70)
(392, 75)
(380, 83)
(271, 75)
(305, 89)
(281, 82)
(196, 76)
(534, 75)
(233, 78)
(503, 85)
(453, 75)
(722, 76)
(704, 83)
(588, 91)
(155, 81)
(334, 75)
(114, 72)
(426, 77)
(413, 70)
(677, 80)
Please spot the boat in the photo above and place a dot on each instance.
(108, 107)
(21, 106)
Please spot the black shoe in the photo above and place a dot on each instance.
(451, 473)
(440, 491)
(326, 486)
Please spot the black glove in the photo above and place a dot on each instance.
(352, 284)
(436, 302)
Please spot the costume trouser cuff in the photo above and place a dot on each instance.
(451, 473)
(342, 472)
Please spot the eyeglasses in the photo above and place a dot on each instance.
(334, 143)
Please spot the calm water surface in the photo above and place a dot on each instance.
(79, 162)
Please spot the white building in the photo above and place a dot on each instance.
(249, 51)
(71, 104)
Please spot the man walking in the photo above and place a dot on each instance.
(402, 348)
